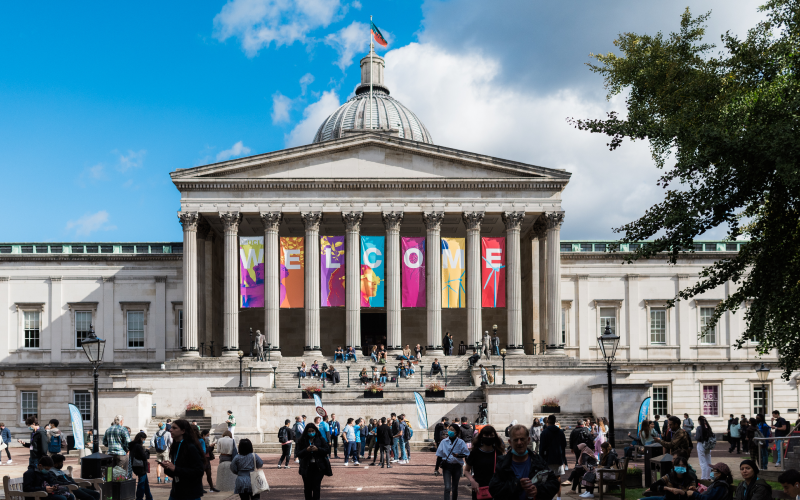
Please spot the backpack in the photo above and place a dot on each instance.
(764, 428)
(160, 443)
(55, 444)
(282, 437)
(407, 433)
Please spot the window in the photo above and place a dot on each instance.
(106, 249)
(142, 249)
(177, 248)
(708, 335)
(91, 248)
(633, 247)
(41, 248)
(156, 249)
(566, 247)
(599, 247)
(608, 315)
(730, 247)
(563, 326)
(135, 328)
(77, 248)
(5, 248)
(26, 249)
(31, 329)
(180, 327)
(30, 404)
(127, 248)
(658, 326)
(83, 325)
(711, 400)
(83, 401)
(586, 247)
(56, 249)
(660, 400)
(760, 400)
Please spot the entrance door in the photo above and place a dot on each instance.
(373, 331)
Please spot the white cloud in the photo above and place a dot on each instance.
(313, 116)
(97, 171)
(90, 223)
(235, 151)
(258, 23)
(348, 41)
(356, 5)
(134, 159)
(280, 108)
(305, 81)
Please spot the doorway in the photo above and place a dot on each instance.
(373, 330)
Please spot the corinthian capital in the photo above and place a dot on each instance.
(311, 220)
(188, 220)
(392, 220)
(472, 220)
(352, 220)
(539, 229)
(230, 220)
(433, 220)
(512, 220)
(554, 219)
(271, 220)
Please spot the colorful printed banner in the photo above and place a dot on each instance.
(372, 267)
(331, 255)
(412, 271)
(493, 272)
(292, 272)
(251, 262)
(454, 295)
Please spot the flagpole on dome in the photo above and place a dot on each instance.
(370, 71)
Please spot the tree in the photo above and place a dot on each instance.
(731, 120)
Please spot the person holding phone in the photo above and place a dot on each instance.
(522, 473)
(186, 465)
(312, 450)
(452, 451)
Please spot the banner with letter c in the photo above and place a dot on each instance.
(493, 272)
(412, 270)
(292, 272)
(372, 270)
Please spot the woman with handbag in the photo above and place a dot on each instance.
(138, 460)
(185, 464)
(452, 451)
(586, 463)
(312, 451)
(243, 465)
(487, 449)
(705, 443)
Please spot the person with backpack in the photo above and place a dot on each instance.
(161, 442)
(245, 462)
(466, 432)
(54, 437)
(37, 444)
(706, 440)
(763, 431)
(579, 435)
(398, 444)
(407, 435)
(286, 437)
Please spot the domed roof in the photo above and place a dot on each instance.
(373, 109)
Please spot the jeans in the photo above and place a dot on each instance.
(302, 373)
(374, 357)
(496, 350)
(438, 372)
(452, 474)
(764, 455)
(385, 454)
(286, 451)
(143, 488)
(340, 356)
(33, 464)
(312, 481)
(354, 445)
(778, 450)
(86, 494)
(399, 449)
(363, 445)
(335, 447)
(351, 355)
(410, 372)
(382, 380)
(735, 443)
(8, 453)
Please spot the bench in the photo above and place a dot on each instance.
(613, 477)
(12, 487)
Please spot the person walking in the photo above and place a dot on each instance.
(313, 452)
(487, 450)
(688, 424)
(452, 451)
(5, 439)
(297, 428)
(361, 435)
(231, 421)
(553, 445)
(185, 464)
(208, 456)
(139, 457)
(349, 443)
(161, 442)
(333, 432)
(116, 439)
(735, 436)
(53, 437)
(398, 445)
(440, 434)
(383, 437)
(408, 433)
(743, 423)
(781, 428)
(446, 344)
(37, 444)
(285, 438)
(245, 463)
(703, 436)
(226, 447)
(766, 432)
(535, 434)
(512, 480)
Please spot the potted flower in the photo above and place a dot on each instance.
(373, 391)
(633, 478)
(550, 405)
(195, 409)
(310, 390)
(434, 390)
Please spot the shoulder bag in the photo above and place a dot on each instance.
(483, 491)
(258, 482)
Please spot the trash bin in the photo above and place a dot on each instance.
(651, 451)
(70, 443)
(92, 465)
(662, 464)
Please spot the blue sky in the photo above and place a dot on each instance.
(99, 101)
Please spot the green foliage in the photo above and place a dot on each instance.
(725, 130)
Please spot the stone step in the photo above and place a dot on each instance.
(275, 448)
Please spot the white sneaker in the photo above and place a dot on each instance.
(393, 460)
(8, 462)
(346, 464)
(356, 463)
(297, 460)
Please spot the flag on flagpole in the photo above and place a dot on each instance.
(377, 34)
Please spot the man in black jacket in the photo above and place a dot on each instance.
(579, 434)
(553, 447)
(384, 442)
(522, 471)
(37, 444)
(285, 437)
(41, 479)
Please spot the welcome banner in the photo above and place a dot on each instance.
(454, 295)
(331, 255)
(251, 277)
(292, 272)
(412, 272)
(372, 271)
(493, 272)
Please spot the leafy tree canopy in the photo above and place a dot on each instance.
(730, 120)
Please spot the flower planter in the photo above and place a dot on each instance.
(633, 480)
(434, 394)
(307, 395)
(195, 413)
(374, 395)
(551, 409)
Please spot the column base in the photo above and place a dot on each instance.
(394, 351)
(555, 351)
(515, 351)
(437, 352)
(190, 353)
(307, 351)
(230, 353)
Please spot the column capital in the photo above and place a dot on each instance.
(311, 220)
(189, 220)
(203, 228)
(161, 279)
(352, 220)
(392, 220)
(433, 220)
(108, 279)
(472, 220)
(512, 220)
(230, 220)
(271, 220)
(554, 219)
(539, 229)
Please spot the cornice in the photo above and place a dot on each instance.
(194, 184)
(104, 257)
(620, 256)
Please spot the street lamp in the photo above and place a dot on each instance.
(94, 348)
(503, 354)
(251, 342)
(494, 332)
(348, 374)
(494, 374)
(763, 375)
(421, 373)
(241, 358)
(608, 343)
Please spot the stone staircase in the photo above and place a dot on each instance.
(152, 427)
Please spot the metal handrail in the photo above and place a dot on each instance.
(775, 438)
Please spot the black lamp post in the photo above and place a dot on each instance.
(251, 341)
(202, 348)
(445, 376)
(608, 343)
(494, 374)
(212, 348)
(348, 374)
(494, 334)
(94, 348)
(274, 376)
(763, 375)
(241, 358)
(251, 375)
(503, 354)
(421, 374)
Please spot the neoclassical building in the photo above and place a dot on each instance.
(172, 311)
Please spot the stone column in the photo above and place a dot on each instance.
(311, 222)
(538, 234)
(433, 285)
(189, 221)
(352, 280)
(203, 230)
(513, 221)
(472, 221)
(392, 222)
(554, 221)
(272, 295)
(230, 220)
(208, 290)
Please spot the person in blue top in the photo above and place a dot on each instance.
(720, 489)
(5, 435)
(324, 429)
(762, 425)
(332, 434)
(452, 451)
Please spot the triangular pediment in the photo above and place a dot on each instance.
(370, 156)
